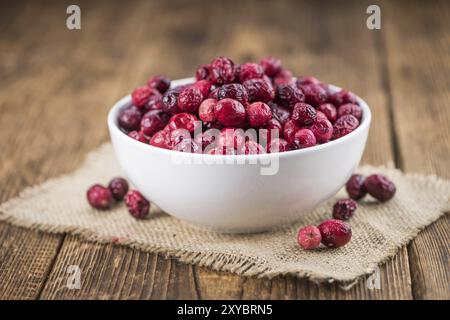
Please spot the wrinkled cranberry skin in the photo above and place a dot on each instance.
(202, 72)
(309, 237)
(207, 138)
(189, 99)
(234, 91)
(280, 113)
(344, 209)
(380, 187)
(341, 97)
(288, 95)
(137, 205)
(204, 86)
(160, 83)
(304, 138)
(307, 80)
(186, 121)
(118, 187)
(206, 110)
(138, 135)
(314, 94)
(355, 187)
(141, 95)
(231, 138)
(335, 233)
(130, 119)
(252, 147)
(249, 70)
(344, 125)
(152, 121)
(154, 103)
(222, 71)
(229, 112)
(187, 145)
(258, 114)
(304, 114)
(278, 145)
(284, 76)
(289, 130)
(271, 66)
(350, 108)
(161, 139)
(329, 110)
(214, 94)
(322, 129)
(170, 101)
(259, 90)
(99, 197)
(178, 135)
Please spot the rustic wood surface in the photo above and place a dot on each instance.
(57, 85)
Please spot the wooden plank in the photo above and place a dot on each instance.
(418, 45)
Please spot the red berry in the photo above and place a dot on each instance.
(341, 97)
(258, 114)
(309, 237)
(206, 138)
(252, 147)
(284, 76)
(249, 70)
(154, 103)
(202, 72)
(355, 187)
(187, 145)
(259, 90)
(99, 197)
(186, 121)
(138, 135)
(206, 110)
(344, 125)
(329, 110)
(322, 129)
(272, 126)
(306, 80)
(304, 138)
(214, 94)
(189, 99)
(222, 71)
(118, 187)
(229, 112)
(160, 83)
(170, 101)
(178, 135)
(204, 86)
(271, 66)
(314, 94)
(289, 130)
(161, 139)
(278, 145)
(234, 91)
(350, 108)
(335, 233)
(304, 114)
(231, 138)
(344, 209)
(280, 113)
(380, 187)
(141, 95)
(152, 121)
(288, 95)
(130, 119)
(137, 205)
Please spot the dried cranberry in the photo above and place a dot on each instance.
(322, 129)
(138, 135)
(202, 72)
(355, 187)
(229, 112)
(271, 66)
(137, 205)
(187, 145)
(249, 70)
(309, 237)
(154, 103)
(189, 99)
(130, 119)
(186, 121)
(231, 138)
(251, 147)
(206, 110)
(350, 108)
(304, 138)
(284, 76)
(206, 138)
(222, 71)
(178, 135)
(304, 114)
(335, 233)
(329, 110)
(321, 115)
(306, 80)
(314, 94)
(154, 120)
(170, 101)
(288, 95)
(141, 95)
(214, 94)
(160, 83)
(161, 139)
(278, 145)
(258, 114)
(204, 86)
(234, 91)
(344, 209)
(289, 130)
(99, 197)
(341, 97)
(259, 90)
(280, 113)
(344, 125)
(380, 187)
(118, 187)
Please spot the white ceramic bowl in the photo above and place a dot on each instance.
(237, 198)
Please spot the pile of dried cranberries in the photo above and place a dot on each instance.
(214, 114)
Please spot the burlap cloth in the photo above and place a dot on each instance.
(379, 230)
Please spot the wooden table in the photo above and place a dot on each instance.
(57, 85)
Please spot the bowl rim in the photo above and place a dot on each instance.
(126, 100)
